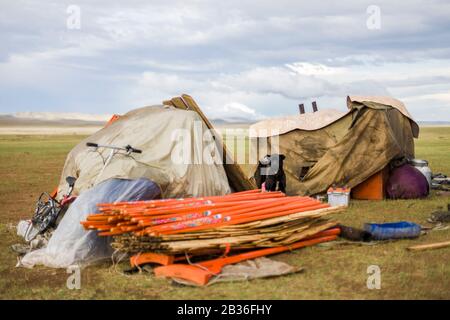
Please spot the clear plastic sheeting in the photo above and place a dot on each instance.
(70, 244)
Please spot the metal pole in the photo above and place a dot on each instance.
(301, 108)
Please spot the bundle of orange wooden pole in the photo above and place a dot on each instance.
(172, 216)
(164, 224)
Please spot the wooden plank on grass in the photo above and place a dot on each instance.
(429, 246)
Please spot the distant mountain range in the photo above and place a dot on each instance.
(85, 119)
(433, 123)
(61, 118)
(58, 116)
(52, 118)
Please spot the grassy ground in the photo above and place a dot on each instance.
(30, 164)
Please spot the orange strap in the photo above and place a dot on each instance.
(227, 250)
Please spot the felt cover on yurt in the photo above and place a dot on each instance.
(156, 130)
(347, 150)
(307, 121)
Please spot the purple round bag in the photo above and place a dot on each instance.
(406, 182)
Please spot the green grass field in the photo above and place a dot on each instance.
(31, 164)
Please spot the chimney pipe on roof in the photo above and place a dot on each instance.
(301, 107)
(314, 106)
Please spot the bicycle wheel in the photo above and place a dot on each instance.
(31, 232)
(41, 220)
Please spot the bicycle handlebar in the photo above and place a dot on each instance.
(91, 144)
(131, 149)
(127, 148)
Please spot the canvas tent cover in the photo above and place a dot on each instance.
(342, 148)
(157, 131)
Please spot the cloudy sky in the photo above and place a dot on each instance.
(249, 59)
